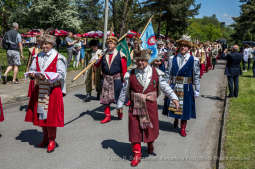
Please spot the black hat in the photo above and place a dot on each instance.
(94, 42)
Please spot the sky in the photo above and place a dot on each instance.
(224, 9)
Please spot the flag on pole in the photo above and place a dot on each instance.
(123, 47)
(149, 41)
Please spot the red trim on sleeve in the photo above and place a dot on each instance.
(124, 66)
(98, 62)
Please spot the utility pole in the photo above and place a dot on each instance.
(105, 21)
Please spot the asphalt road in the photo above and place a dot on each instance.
(84, 143)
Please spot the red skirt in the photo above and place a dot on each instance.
(1, 111)
(55, 116)
(208, 64)
(31, 88)
(202, 70)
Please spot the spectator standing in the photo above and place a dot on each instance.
(250, 57)
(14, 52)
(245, 57)
(233, 70)
(83, 46)
(253, 67)
(76, 51)
(70, 46)
(58, 42)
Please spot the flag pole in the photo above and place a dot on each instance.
(122, 37)
(146, 25)
(105, 22)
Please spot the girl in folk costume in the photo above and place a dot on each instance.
(114, 67)
(1, 113)
(141, 86)
(183, 73)
(208, 57)
(46, 107)
(202, 54)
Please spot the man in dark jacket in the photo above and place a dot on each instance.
(233, 70)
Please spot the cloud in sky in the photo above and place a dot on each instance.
(226, 18)
(224, 9)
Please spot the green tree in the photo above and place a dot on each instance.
(8, 11)
(208, 29)
(244, 27)
(131, 18)
(175, 13)
(90, 14)
(45, 14)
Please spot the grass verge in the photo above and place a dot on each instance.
(239, 144)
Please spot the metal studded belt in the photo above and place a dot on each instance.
(181, 80)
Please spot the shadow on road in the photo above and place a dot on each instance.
(23, 107)
(212, 97)
(32, 136)
(82, 97)
(167, 126)
(94, 114)
(123, 150)
(248, 76)
(160, 107)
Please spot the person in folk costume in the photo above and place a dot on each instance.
(93, 55)
(214, 53)
(183, 73)
(130, 46)
(1, 113)
(170, 47)
(157, 62)
(114, 67)
(137, 44)
(33, 51)
(46, 107)
(202, 57)
(142, 86)
(208, 57)
(162, 52)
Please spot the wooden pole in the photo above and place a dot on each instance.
(122, 37)
(146, 26)
(29, 62)
(85, 69)
(105, 21)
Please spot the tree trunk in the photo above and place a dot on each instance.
(4, 23)
(124, 19)
(114, 19)
(159, 25)
(167, 27)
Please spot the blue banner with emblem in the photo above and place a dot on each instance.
(149, 41)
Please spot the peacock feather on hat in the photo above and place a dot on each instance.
(185, 41)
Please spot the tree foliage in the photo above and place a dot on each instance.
(245, 24)
(91, 14)
(171, 17)
(175, 14)
(208, 29)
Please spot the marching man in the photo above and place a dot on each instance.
(93, 55)
(114, 67)
(141, 86)
(183, 73)
(46, 107)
